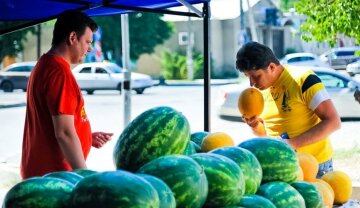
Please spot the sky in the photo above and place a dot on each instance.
(220, 9)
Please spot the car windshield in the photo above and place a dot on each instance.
(115, 68)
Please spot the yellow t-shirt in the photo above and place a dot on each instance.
(289, 107)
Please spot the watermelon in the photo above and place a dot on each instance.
(225, 178)
(72, 177)
(198, 137)
(39, 192)
(166, 196)
(255, 201)
(184, 176)
(281, 194)
(112, 189)
(191, 148)
(156, 132)
(247, 162)
(277, 159)
(84, 172)
(310, 193)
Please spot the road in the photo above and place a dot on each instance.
(105, 111)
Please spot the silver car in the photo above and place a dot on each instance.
(340, 87)
(108, 76)
(16, 76)
(338, 58)
(353, 68)
(303, 59)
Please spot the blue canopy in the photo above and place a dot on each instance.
(25, 13)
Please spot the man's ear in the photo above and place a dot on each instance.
(72, 37)
(272, 67)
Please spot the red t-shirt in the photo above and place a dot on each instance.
(52, 90)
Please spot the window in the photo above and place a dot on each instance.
(86, 70)
(345, 53)
(331, 81)
(21, 69)
(99, 70)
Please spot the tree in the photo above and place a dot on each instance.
(326, 19)
(146, 30)
(13, 43)
(285, 5)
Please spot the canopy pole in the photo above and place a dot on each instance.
(207, 55)
(126, 86)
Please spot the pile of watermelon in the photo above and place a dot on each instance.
(159, 163)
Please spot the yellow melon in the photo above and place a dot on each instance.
(341, 183)
(309, 165)
(216, 140)
(300, 174)
(327, 195)
(250, 102)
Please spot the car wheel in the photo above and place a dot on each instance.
(139, 91)
(119, 88)
(90, 92)
(351, 74)
(7, 86)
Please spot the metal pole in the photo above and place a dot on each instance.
(189, 45)
(126, 86)
(207, 55)
(38, 41)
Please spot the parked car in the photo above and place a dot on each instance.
(16, 76)
(338, 58)
(353, 68)
(108, 76)
(303, 59)
(340, 87)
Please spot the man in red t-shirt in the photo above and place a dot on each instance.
(57, 132)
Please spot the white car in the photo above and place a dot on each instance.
(108, 76)
(340, 87)
(303, 59)
(353, 68)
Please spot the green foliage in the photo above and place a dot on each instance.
(175, 67)
(326, 19)
(290, 50)
(285, 5)
(13, 43)
(146, 30)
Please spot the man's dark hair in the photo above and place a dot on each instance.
(254, 56)
(69, 21)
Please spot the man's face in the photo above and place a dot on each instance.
(82, 45)
(260, 78)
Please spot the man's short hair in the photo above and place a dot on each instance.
(254, 56)
(69, 21)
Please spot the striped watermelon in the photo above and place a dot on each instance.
(72, 177)
(225, 178)
(184, 176)
(84, 172)
(282, 195)
(310, 193)
(39, 192)
(156, 132)
(166, 196)
(198, 137)
(191, 148)
(255, 201)
(113, 189)
(278, 160)
(247, 162)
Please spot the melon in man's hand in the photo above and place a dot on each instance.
(250, 102)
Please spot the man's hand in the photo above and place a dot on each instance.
(100, 138)
(256, 125)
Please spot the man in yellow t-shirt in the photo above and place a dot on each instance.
(296, 103)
